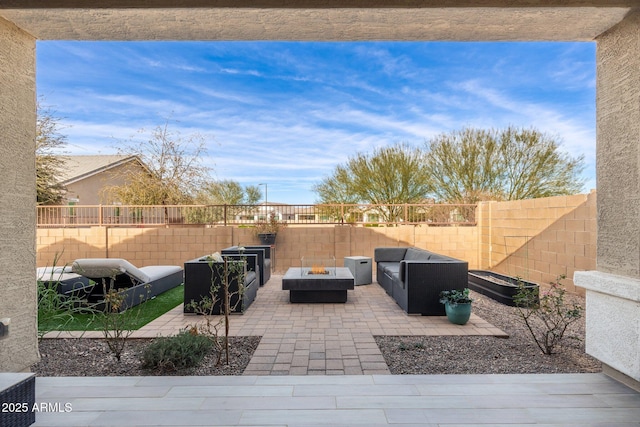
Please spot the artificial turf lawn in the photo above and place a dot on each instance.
(146, 312)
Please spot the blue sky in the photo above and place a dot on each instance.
(287, 113)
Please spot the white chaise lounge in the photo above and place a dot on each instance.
(136, 284)
(64, 280)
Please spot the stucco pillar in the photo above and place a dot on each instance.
(613, 292)
(17, 197)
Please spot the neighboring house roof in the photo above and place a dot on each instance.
(78, 168)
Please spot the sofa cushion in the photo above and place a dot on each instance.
(441, 258)
(389, 267)
(395, 276)
(250, 277)
(414, 254)
(155, 272)
(389, 254)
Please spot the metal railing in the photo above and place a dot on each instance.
(161, 215)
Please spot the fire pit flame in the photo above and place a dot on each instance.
(318, 269)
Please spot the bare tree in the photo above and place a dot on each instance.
(49, 159)
(174, 171)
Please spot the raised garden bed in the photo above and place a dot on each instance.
(497, 286)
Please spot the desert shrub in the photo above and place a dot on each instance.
(118, 319)
(213, 327)
(185, 350)
(548, 317)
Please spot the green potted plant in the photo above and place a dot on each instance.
(457, 305)
(267, 229)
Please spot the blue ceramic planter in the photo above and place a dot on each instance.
(458, 314)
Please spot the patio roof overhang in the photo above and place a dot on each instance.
(463, 20)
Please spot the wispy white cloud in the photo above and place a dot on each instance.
(288, 113)
(157, 63)
(573, 70)
(243, 72)
(394, 65)
(223, 94)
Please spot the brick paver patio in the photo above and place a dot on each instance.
(317, 339)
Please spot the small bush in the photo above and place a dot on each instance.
(173, 353)
(547, 317)
(118, 319)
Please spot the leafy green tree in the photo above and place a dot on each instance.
(228, 192)
(49, 162)
(472, 165)
(173, 172)
(224, 192)
(337, 188)
(390, 175)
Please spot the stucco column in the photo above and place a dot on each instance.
(17, 197)
(613, 292)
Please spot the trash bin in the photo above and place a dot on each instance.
(360, 267)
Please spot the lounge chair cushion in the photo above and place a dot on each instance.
(135, 284)
(97, 268)
(64, 280)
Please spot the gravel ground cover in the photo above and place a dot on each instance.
(90, 357)
(404, 355)
(517, 354)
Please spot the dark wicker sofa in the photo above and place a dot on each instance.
(263, 252)
(201, 274)
(415, 277)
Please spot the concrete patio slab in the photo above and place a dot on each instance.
(544, 400)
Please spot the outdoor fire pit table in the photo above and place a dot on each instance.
(328, 287)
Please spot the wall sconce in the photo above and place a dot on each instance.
(4, 327)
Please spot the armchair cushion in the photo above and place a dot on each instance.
(263, 261)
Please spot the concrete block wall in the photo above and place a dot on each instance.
(140, 246)
(533, 239)
(540, 239)
(60, 246)
(175, 245)
(567, 245)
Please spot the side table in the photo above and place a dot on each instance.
(360, 267)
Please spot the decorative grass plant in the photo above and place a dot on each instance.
(149, 310)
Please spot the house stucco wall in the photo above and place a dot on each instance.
(89, 191)
(618, 149)
(17, 197)
(613, 291)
